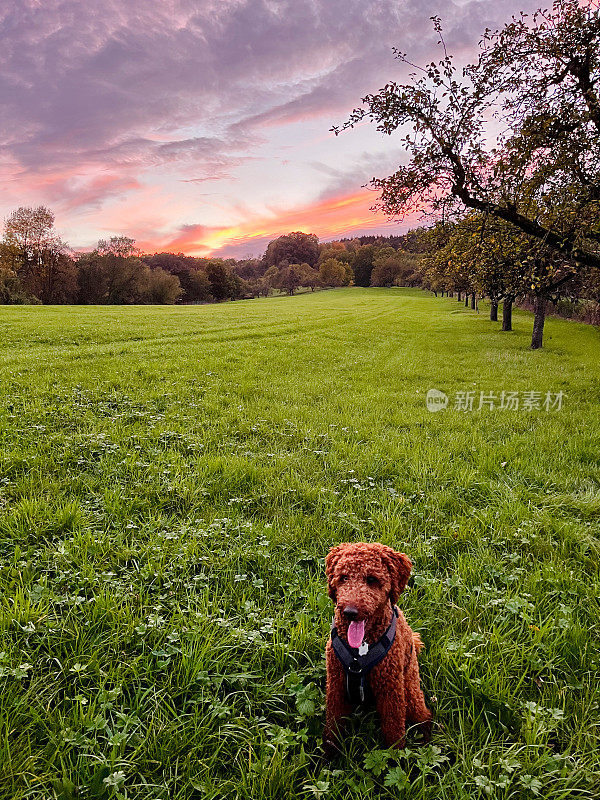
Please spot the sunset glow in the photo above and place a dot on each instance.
(333, 218)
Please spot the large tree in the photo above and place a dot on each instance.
(295, 248)
(224, 284)
(113, 280)
(196, 286)
(29, 231)
(332, 272)
(539, 78)
(37, 255)
(289, 278)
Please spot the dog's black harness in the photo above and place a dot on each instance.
(357, 666)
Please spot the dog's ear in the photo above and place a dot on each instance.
(399, 566)
(331, 562)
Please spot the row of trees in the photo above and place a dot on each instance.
(37, 266)
(479, 255)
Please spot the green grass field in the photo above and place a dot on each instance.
(170, 481)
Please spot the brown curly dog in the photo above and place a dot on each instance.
(365, 581)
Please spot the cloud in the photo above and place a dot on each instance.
(100, 98)
(362, 170)
(81, 192)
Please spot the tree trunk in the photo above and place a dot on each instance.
(458, 297)
(507, 314)
(538, 322)
(473, 301)
(494, 311)
(466, 300)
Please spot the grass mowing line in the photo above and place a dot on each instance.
(212, 335)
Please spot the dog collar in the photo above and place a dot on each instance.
(357, 666)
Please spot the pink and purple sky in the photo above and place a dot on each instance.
(202, 126)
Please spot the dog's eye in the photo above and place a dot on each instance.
(371, 580)
(343, 578)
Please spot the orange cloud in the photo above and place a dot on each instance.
(338, 216)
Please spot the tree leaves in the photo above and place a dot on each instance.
(542, 175)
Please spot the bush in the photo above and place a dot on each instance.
(567, 309)
(196, 287)
(162, 288)
(11, 291)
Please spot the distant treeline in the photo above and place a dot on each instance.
(471, 257)
(36, 266)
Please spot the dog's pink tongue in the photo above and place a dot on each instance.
(356, 633)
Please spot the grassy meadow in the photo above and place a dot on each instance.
(170, 481)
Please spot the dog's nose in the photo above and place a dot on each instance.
(351, 613)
